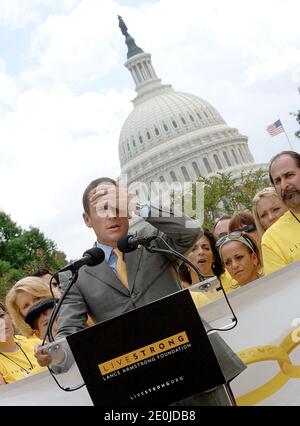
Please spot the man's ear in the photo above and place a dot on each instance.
(87, 220)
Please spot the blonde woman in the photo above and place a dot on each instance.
(17, 358)
(22, 296)
(267, 208)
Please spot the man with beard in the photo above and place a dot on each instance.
(281, 242)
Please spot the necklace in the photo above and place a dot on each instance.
(293, 214)
(26, 371)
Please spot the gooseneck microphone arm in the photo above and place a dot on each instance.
(55, 311)
(153, 249)
(91, 257)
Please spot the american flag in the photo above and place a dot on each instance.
(275, 128)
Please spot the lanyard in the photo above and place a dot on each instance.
(293, 214)
(27, 371)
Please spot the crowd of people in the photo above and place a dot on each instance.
(239, 250)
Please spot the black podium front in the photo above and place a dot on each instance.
(151, 356)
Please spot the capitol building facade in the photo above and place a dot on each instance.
(174, 136)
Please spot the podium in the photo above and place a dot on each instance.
(154, 355)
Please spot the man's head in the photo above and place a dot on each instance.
(38, 316)
(284, 172)
(46, 276)
(101, 210)
(221, 227)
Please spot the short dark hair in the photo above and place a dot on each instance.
(41, 272)
(220, 219)
(239, 219)
(292, 154)
(44, 271)
(92, 185)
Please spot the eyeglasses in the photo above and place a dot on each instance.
(248, 228)
(235, 236)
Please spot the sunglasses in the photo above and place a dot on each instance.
(248, 228)
(235, 236)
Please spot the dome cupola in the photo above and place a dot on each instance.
(171, 135)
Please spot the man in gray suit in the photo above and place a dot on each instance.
(99, 291)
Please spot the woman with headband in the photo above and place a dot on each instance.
(240, 256)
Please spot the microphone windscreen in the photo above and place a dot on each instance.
(96, 255)
(124, 246)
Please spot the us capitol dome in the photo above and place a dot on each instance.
(174, 136)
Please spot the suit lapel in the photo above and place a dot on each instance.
(133, 261)
(106, 275)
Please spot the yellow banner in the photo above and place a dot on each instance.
(143, 353)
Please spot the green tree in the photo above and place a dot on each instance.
(248, 185)
(218, 190)
(298, 119)
(24, 251)
(297, 115)
(224, 194)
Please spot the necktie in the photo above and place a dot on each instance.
(121, 267)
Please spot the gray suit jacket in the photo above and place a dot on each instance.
(99, 293)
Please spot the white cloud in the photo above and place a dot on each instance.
(20, 14)
(16, 14)
(269, 62)
(59, 143)
(77, 48)
(8, 90)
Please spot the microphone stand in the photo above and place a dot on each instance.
(55, 311)
(153, 249)
(52, 318)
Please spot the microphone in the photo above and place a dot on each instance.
(130, 242)
(91, 257)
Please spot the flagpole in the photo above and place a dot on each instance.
(289, 142)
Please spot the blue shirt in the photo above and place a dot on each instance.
(110, 257)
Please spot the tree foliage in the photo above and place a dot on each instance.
(298, 119)
(24, 251)
(224, 194)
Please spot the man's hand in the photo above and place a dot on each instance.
(112, 200)
(43, 357)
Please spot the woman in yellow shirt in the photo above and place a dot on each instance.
(17, 358)
(240, 256)
(205, 256)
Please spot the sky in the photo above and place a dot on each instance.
(65, 93)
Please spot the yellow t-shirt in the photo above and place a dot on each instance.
(15, 365)
(228, 283)
(281, 243)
